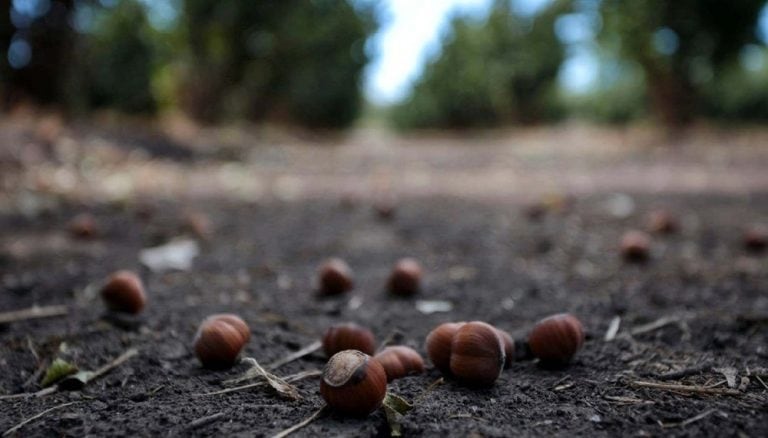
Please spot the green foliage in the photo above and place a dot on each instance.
(117, 60)
(738, 94)
(293, 59)
(701, 37)
(620, 97)
(501, 70)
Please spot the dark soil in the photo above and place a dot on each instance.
(490, 260)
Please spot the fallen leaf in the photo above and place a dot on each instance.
(395, 407)
(58, 370)
(177, 254)
(433, 306)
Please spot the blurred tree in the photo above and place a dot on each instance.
(681, 45)
(36, 41)
(500, 70)
(116, 59)
(294, 59)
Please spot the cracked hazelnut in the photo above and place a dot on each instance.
(353, 383)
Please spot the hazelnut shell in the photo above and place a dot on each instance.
(756, 239)
(399, 361)
(662, 222)
(635, 246)
(220, 339)
(348, 336)
(556, 338)
(438, 345)
(477, 354)
(405, 279)
(124, 292)
(334, 277)
(353, 383)
(509, 347)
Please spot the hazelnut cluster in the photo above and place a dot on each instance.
(354, 382)
(473, 353)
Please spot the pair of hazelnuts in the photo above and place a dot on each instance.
(355, 380)
(474, 353)
(335, 277)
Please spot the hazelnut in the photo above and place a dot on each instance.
(124, 292)
(84, 226)
(635, 246)
(353, 383)
(509, 347)
(399, 361)
(385, 207)
(556, 338)
(477, 354)
(756, 238)
(405, 278)
(662, 222)
(220, 339)
(348, 336)
(439, 343)
(198, 224)
(335, 277)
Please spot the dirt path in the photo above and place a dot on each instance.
(698, 309)
(488, 260)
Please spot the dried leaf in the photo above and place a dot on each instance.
(58, 370)
(177, 254)
(282, 387)
(433, 306)
(76, 381)
(395, 407)
(730, 374)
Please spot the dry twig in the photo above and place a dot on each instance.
(655, 325)
(288, 379)
(690, 420)
(613, 329)
(35, 417)
(621, 399)
(203, 421)
(32, 313)
(685, 372)
(309, 349)
(303, 423)
(428, 389)
(686, 388)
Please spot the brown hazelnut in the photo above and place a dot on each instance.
(348, 336)
(477, 354)
(385, 207)
(509, 347)
(635, 246)
(198, 224)
(439, 343)
(335, 277)
(399, 361)
(124, 292)
(353, 383)
(662, 222)
(84, 226)
(756, 238)
(556, 338)
(220, 339)
(405, 278)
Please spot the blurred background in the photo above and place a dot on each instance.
(205, 79)
(414, 64)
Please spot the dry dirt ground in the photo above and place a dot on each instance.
(696, 314)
